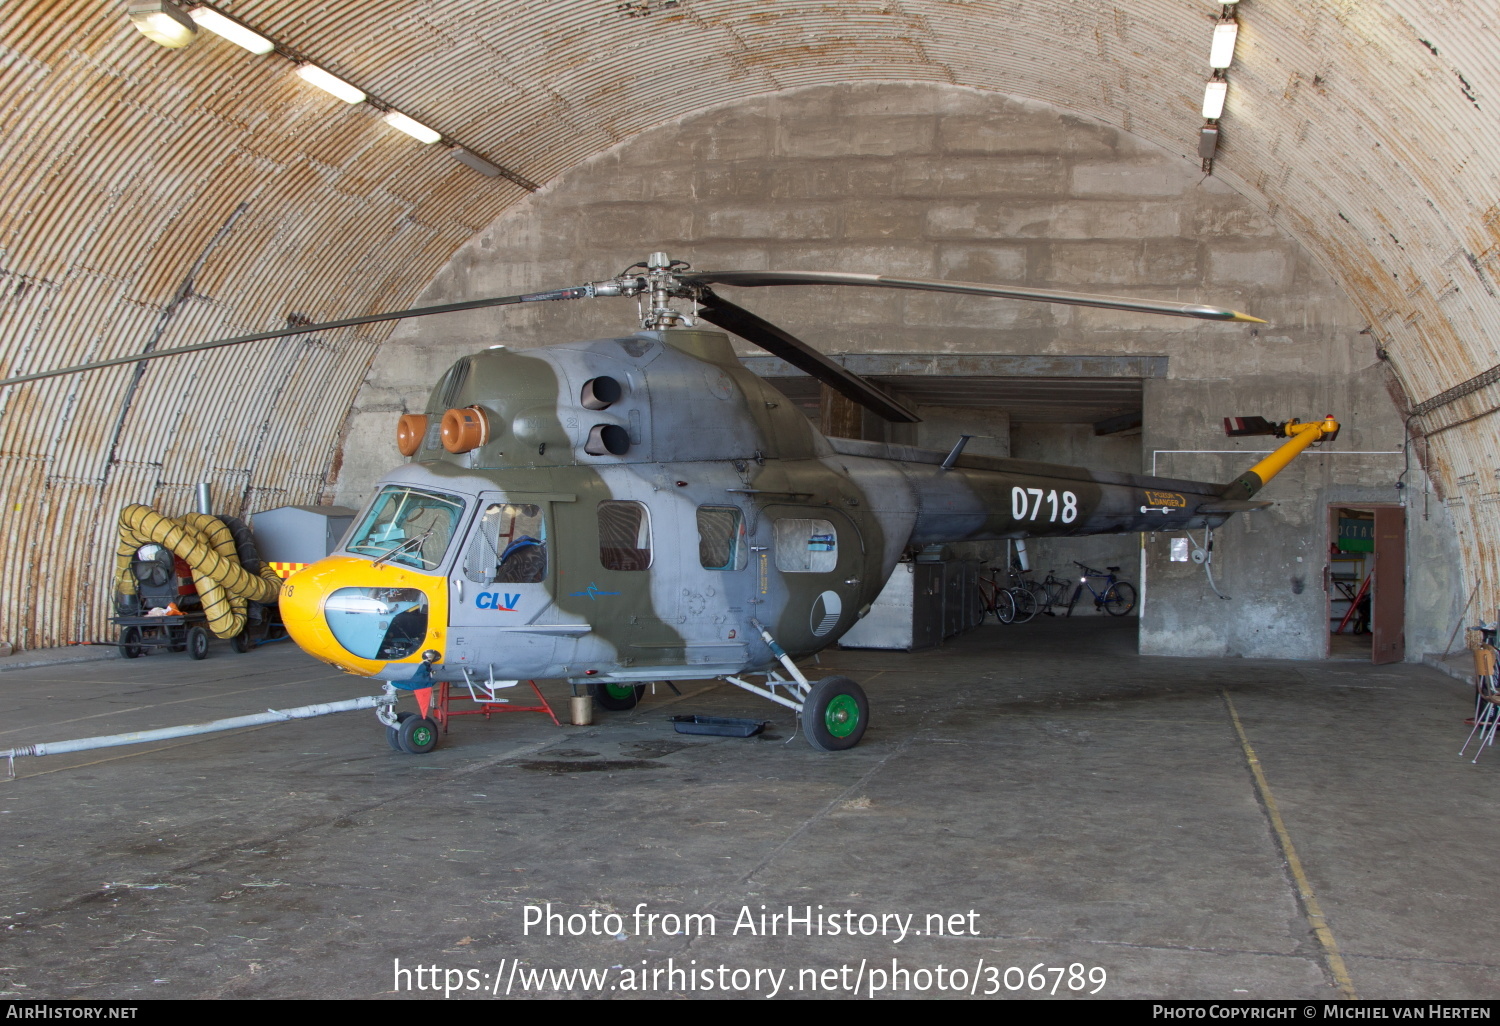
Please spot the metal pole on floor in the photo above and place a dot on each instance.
(232, 723)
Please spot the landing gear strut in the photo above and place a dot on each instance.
(834, 712)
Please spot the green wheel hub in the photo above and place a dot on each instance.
(842, 716)
(619, 691)
(422, 736)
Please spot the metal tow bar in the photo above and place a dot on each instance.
(377, 702)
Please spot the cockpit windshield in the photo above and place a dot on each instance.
(408, 526)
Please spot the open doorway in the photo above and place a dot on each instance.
(1366, 583)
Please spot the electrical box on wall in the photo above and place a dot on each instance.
(300, 534)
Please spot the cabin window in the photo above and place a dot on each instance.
(721, 538)
(509, 545)
(624, 535)
(408, 526)
(806, 546)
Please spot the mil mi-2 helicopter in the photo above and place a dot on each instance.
(643, 508)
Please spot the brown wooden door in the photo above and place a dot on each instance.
(1388, 610)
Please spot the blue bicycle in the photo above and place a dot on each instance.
(1117, 597)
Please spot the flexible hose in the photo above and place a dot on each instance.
(244, 541)
(225, 612)
(207, 546)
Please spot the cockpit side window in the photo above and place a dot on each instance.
(509, 545)
(806, 546)
(408, 526)
(624, 535)
(721, 538)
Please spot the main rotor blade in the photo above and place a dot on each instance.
(717, 310)
(580, 292)
(753, 279)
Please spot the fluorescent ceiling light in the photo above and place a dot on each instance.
(163, 23)
(330, 83)
(418, 131)
(231, 30)
(1223, 48)
(1213, 97)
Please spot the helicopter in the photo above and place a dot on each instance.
(643, 508)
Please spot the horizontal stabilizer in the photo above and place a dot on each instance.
(1233, 506)
(1234, 427)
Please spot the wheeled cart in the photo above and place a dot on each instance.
(141, 634)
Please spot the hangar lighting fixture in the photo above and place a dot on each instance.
(238, 34)
(475, 161)
(162, 22)
(331, 83)
(418, 131)
(1213, 98)
(1222, 52)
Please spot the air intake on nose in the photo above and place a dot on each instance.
(410, 430)
(465, 429)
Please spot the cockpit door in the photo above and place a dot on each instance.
(502, 582)
(503, 571)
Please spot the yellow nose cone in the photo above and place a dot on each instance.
(304, 600)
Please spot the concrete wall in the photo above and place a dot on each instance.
(950, 182)
(1271, 563)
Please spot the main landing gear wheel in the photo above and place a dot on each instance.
(417, 735)
(617, 697)
(835, 714)
(197, 643)
(130, 643)
(1120, 599)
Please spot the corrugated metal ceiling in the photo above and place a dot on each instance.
(1367, 129)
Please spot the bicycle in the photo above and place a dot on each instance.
(1047, 593)
(1117, 598)
(994, 598)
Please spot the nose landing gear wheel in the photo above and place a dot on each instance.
(417, 735)
(617, 697)
(835, 714)
(392, 736)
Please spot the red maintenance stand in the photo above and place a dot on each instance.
(486, 700)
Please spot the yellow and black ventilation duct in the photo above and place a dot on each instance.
(207, 545)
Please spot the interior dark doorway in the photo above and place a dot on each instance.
(1366, 582)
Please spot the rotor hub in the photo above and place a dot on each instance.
(654, 283)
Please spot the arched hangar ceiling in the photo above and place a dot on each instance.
(156, 197)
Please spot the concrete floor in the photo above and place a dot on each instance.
(1090, 806)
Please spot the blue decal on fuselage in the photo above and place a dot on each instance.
(497, 600)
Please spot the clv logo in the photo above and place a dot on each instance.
(492, 600)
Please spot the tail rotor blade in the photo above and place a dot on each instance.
(754, 279)
(1236, 427)
(731, 317)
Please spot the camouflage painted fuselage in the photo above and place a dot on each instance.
(703, 432)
